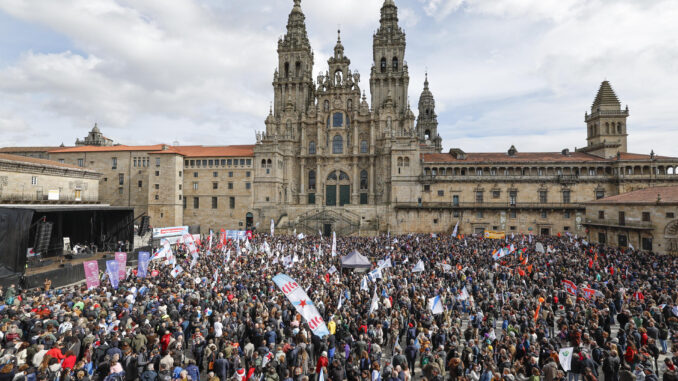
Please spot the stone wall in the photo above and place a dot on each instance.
(222, 184)
(651, 233)
(33, 183)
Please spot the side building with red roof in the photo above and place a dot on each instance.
(203, 186)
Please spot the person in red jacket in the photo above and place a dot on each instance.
(55, 352)
(165, 341)
(323, 362)
(69, 361)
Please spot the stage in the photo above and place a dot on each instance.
(50, 229)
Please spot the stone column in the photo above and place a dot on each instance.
(356, 182)
(371, 176)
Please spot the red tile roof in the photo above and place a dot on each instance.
(118, 148)
(27, 149)
(188, 151)
(210, 151)
(665, 195)
(639, 156)
(33, 160)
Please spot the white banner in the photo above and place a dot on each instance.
(302, 303)
(175, 231)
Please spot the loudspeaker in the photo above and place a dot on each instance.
(43, 233)
(143, 228)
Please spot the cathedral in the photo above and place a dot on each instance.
(324, 144)
(330, 161)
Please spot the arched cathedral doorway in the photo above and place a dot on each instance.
(337, 188)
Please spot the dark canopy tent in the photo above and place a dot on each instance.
(355, 260)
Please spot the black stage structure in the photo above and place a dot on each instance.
(44, 226)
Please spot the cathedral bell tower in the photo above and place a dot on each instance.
(606, 125)
(389, 72)
(427, 121)
(293, 79)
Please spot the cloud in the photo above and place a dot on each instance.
(200, 71)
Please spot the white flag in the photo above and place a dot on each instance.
(272, 228)
(300, 236)
(419, 267)
(321, 376)
(332, 270)
(176, 271)
(384, 264)
(565, 358)
(374, 274)
(454, 232)
(631, 246)
(463, 294)
(341, 301)
(334, 244)
(435, 305)
(375, 301)
(363, 284)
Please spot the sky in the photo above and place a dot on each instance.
(503, 72)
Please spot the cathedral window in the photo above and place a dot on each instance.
(311, 180)
(326, 106)
(363, 179)
(383, 65)
(607, 128)
(619, 128)
(406, 162)
(427, 135)
(338, 119)
(269, 163)
(311, 148)
(287, 69)
(395, 63)
(363, 146)
(337, 144)
(263, 163)
(349, 104)
(297, 69)
(400, 161)
(343, 175)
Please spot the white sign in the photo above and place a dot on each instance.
(53, 195)
(170, 232)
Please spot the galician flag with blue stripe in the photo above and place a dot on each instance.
(436, 305)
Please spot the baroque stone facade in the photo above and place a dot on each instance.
(330, 161)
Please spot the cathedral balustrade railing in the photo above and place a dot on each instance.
(619, 113)
(485, 205)
(627, 224)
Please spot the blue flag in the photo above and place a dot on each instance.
(144, 258)
(112, 272)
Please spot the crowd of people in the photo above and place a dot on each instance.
(223, 318)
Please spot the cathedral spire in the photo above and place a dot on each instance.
(427, 121)
(293, 76)
(296, 25)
